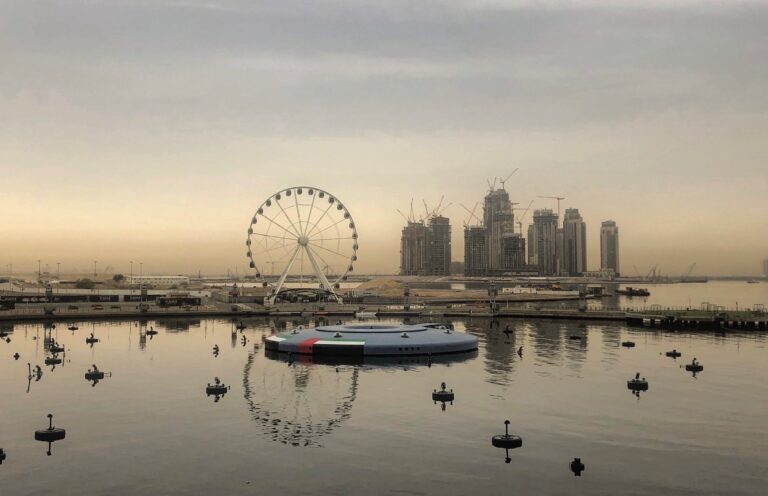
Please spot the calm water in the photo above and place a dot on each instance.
(373, 429)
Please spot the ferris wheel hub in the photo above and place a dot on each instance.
(303, 240)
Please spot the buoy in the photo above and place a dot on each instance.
(520, 352)
(637, 384)
(73, 327)
(51, 434)
(628, 344)
(694, 366)
(16, 356)
(574, 337)
(673, 354)
(2, 456)
(442, 395)
(57, 348)
(52, 360)
(506, 440)
(577, 467)
(217, 388)
(151, 331)
(94, 376)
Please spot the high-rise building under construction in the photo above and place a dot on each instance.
(475, 251)
(499, 221)
(425, 249)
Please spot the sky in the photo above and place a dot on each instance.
(151, 130)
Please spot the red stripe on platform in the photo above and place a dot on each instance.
(306, 345)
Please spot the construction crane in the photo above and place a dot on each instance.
(690, 269)
(558, 198)
(411, 217)
(439, 209)
(520, 219)
(471, 214)
(504, 181)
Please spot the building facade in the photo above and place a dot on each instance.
(574, 258)
(475, 251)
(413, 249)
(545, 229)
(513, 252)
(498, 220)
(438, 262)
(609, 247)
(533, 253)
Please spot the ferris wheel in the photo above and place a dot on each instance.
(302, 235)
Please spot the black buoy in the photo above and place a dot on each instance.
(91, 339)
(16, 356)
(574, 337)
(94, 374)
(577, 467)
(673, 354)
(628, 344)
(51, 434)
(217, 388)
(52, 360)
(637, 384)
(2, 456)
(520, 352)
(443, 395)
(694, 366)
(56, 348)
(506, 440)
(151, 331)
(73, 327)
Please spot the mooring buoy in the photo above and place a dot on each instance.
(577, 467)
(51, 434)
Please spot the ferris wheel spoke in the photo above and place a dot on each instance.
(315, 253)
(287, 218)
(273, 236)
(334, 239)
(309, 215)
(298, 212)
(332, 225)
(309, 233)
(280, 226)
(328, 249)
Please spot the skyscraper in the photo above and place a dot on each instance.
(513, 252)
(533, 253)
(545, 230)
(413, 249)
(438, 246)
(475, 251)
(609, 246)
(498, 221)
(574, 258)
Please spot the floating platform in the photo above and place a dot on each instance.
(373, 340)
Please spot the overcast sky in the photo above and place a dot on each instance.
(151, 130)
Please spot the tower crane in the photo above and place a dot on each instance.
(520, 219)
(471, 214)
(504, 181)
(558, 198)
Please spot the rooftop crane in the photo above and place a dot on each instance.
(471, 214)
(520, 219)
(558, 198)
(504, 181)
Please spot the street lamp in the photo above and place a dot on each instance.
(94, 269)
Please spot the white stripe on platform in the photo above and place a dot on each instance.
(341, 343)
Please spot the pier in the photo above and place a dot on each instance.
(756, 319)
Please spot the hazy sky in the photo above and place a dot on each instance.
(150, 130)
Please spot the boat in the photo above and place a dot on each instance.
(630, 291)
(752, 281)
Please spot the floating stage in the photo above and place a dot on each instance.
(372, 340)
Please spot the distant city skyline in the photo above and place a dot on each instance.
(152, 130)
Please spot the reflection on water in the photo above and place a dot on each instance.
(563, 385)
